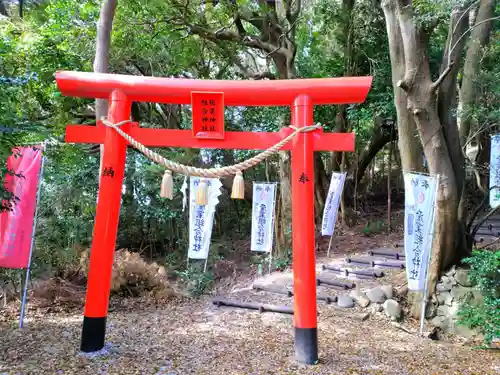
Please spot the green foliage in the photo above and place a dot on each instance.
(156, 38)
(285, 261)
(197, 281)
(372, 228)
(485, 276)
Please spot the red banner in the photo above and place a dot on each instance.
(16, 225)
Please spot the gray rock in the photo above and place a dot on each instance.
(441, 287)
(463, 331)
(445, 298)
(440, 321)
(362, 316)
(345, 302)
(388, 290)
(451, 271)
(446, 279)
(393, 309)
(430, 310)
(462, 277)
(478, 297)
(442, 310)
(377, 307)
(453, 310)
(360, 298)
(376, 295)
(462, 294)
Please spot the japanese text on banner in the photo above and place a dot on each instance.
(332, 204)
(16, 225)
(201, 218)
(495, 171)
(420, 197)
(263, 217)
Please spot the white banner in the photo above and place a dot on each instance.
(495, 171)
(332, 204)
(420, 198)
(201, 218)
(263, 217)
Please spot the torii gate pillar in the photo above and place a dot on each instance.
(300, 94)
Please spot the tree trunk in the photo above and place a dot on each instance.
(366, 159)
(480, 35)
(3, 10)
(320, 186)
(421, 103)
(286, 199)
(343, 207)
(341, 121)
(381, 136)
(447, 109)
(101, 60)
(408, 143)
(389, 185)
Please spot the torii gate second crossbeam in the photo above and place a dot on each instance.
(208, 132)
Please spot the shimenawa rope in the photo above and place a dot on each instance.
(208, 172)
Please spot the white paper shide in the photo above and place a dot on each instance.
(332, 204)
(420, 198)
(263, 216)
(201, 218)
(495, 171)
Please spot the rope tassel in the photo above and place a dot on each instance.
(238, 190)
(167, 185)
(202, 193)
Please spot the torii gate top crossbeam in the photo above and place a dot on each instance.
(345, 90)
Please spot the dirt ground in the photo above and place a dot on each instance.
(197, 338)
(194, 337)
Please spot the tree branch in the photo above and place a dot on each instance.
(403, 85)
(228, 35)
(486, 217)
(441, 78)
(470, 29)
(263, 75)
(292, 14)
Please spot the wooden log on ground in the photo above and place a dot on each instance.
(386, 252)
(486, 232)
(335, 283)
(261, 307)
(270, 289)
(377, 262)
(390, 263)
(372, 273)
(289, 293)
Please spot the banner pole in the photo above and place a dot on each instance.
(25, 291)
(272, 227)
(426, 278)
(329, 246)
(335, 199)
(206, 263)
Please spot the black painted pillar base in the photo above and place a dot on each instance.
(306, 345)
(93, 333)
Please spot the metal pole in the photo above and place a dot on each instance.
(25, 291)
(424, 297)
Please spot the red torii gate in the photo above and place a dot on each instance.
(122, 90)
